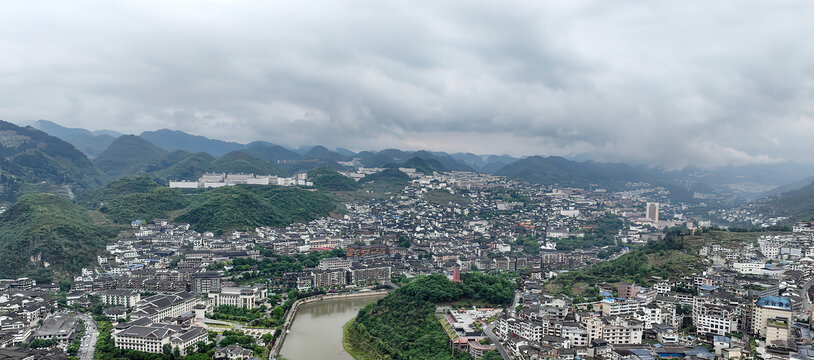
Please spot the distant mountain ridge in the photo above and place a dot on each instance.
(178, 140)
(92, 143)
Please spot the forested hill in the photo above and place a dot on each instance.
(43, 234)
(31, 158)
(403, 324)
(220, 210)
(798, 204)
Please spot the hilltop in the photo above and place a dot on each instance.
(178, 140)
(403, 325)
(129, 154)
(219, 210)
(325, 178)
(32, 158)
(248, 206)
(92, 143)
(44, 234)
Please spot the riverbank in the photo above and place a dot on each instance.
(292, 313)
(351, 346)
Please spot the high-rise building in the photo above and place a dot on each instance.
(652, 212)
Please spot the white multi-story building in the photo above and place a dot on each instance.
(242, 297)
(124, 298)
(144, 335)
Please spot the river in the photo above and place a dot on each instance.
(316, 333)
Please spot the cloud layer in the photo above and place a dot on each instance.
(662, 83)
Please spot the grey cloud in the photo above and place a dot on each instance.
(668, 83)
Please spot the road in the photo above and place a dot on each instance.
(88, 345)
(496, 341)
(806, 303)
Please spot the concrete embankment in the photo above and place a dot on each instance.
(292, 313)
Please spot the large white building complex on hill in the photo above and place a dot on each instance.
(214, 180)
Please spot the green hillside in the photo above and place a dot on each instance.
(558, 170)
(427, 166)
(798, 205)
(155, 203)
(129, 154)
(403, 324)
(666, 259)
(190, 167)
(325, 178)
(46, 230)
(116, 188)
(248, 206)
(243, 163)
(29, 156)
(393, 177)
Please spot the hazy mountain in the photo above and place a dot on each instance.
(561, 171)
(92, 143)
(179, 140)
(796, 204)
(28, 155)
(241, 162)
(129, 154)
(270, 152)
(484, 163)
(189, 167)
(345, 152)
(321, 153)
(790, 186)
(424, 166)
(395, 156)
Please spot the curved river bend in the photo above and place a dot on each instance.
(316, 333)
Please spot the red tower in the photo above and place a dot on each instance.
(456, 274)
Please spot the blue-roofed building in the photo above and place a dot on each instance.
(767, 310)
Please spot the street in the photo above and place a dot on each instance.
(88, 345)
(503, 353)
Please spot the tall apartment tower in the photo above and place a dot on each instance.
(652, 211)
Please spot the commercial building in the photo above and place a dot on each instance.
(770, 309)
(242, 297)
(147, 336)
(60, 327)
(158, 307)
(204, 282)
(652, 212)
(124, 298)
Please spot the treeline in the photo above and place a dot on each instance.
(403, 325)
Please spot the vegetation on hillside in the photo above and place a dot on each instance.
(116, 188)
(403, 326)
(48, 229)
(426, 166)
(658, 259)
(156, 203)
(248, 206)
(128, 154)
(239, 162)
(393, 177)
(30, 156)
(325, 178)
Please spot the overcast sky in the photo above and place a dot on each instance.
(669, 83)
